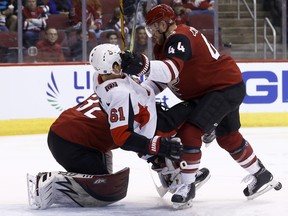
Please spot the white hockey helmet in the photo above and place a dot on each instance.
(103, 56)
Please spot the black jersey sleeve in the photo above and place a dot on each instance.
(178, 46)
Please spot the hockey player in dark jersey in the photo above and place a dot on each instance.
(80, 141)
(195, 72)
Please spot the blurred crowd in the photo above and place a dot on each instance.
(52, 29)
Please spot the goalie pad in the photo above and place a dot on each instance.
(72, 189)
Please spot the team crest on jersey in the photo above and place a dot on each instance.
(110, 86)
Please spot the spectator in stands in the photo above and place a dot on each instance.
(60, 6)
(112, 37)
(48, 49)
(140, 17)
(180, 12)
(8, 19)
(42, 2)
(115, 22)
(93, 14)
(191, 5)
(76, 48)
(141, 39)
(275, 9)
(34, 22)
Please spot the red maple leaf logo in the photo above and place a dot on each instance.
(143, 116)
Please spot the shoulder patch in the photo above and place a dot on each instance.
(179, 46)
(110, 86)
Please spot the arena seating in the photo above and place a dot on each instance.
(8, 47)
(58, 21)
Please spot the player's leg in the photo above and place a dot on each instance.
(171, 120)
(77, 158)
(72, 189)
(190, 161)
(230, 139)
(207, 113)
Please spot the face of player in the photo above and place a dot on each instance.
(156, 31)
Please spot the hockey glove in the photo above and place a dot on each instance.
(170, 147)
(134, 64)
(158, 162)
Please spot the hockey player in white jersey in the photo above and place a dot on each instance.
(136, 123)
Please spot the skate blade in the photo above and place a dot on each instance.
(180, 206)
(270, 185)
(200, 184)
(31, 190)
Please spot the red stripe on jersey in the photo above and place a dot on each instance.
(171, 70)
(120, 134)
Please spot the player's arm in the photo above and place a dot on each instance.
(156, 87)
(177, 52)
(121, 119)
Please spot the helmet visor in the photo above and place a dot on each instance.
(151, 29)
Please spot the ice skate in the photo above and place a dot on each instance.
(171, 184)
(183, 197)
(262, 182)
(202, 176)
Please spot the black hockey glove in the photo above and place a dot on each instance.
(158, 162)
(134, 64)
(170, 147)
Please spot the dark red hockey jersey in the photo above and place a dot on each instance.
(85, 124)
(201, 68)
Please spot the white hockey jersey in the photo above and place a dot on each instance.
(130, 108)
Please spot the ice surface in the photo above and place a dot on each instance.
(220, 196)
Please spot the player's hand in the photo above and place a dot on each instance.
(170, 147)
(134, 64)
(158, 162)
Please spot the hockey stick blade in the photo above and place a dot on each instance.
(163, 190)
(160, 189)
(272, 184)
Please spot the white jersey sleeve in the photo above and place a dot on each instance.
(163, 71)
(130, 108)
(156, 87)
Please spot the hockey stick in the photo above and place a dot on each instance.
(123, 46)
(132, 38)
(159, 188)
(202, 176)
